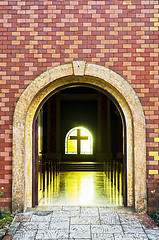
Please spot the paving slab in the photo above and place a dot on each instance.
(110, 218)
(26, 226)
(153, 234)
(80, 231)
(109, 228)
(102, 236)
(89, 211)
(52, 234)
(24, 235)
(129, 236)
(59, 223)
(131, 229)
(65, 213)
(23, 217)
(41, 216)
(85, 220)
(81, 222)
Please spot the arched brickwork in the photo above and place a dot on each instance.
(94, 75)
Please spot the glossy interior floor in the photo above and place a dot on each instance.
(82, 188)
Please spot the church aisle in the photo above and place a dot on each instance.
(83, 188)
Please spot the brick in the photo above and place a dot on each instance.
(119, 35)
(153, 171)
(156, 139)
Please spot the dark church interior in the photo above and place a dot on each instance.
(80, 149)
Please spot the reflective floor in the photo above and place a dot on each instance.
(83, 188)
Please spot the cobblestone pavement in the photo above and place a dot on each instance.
(75, 222)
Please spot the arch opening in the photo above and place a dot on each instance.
(96, 76)
(102, 160)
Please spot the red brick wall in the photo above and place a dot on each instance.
(36, 35)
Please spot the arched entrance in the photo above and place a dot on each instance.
(67, 154)
(52, 80)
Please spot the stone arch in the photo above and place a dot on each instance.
(75, 73)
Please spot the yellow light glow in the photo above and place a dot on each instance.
(86, 190)
(83, 188)
(72, 146)
(85, 147)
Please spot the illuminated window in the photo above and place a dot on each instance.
(79, 141)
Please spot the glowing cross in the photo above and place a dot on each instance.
(79, 138)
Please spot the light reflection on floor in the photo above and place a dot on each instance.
(81, 188)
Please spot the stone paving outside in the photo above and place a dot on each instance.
(75, 222)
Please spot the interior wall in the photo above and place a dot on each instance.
(78, 113)
(87, 108)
